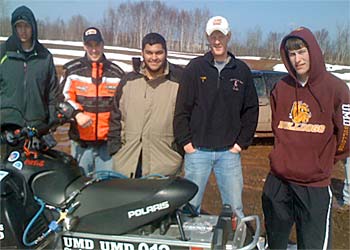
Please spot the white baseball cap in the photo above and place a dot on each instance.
(217, 23)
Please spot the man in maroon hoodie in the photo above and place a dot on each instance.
(310, 122)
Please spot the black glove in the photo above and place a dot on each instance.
(66, 110)
(49, 140)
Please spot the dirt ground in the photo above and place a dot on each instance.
(255, 168)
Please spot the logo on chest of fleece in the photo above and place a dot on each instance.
(235, 83)
(300, 115)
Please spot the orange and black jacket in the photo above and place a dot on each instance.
(90, 87)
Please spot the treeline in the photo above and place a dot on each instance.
(126, 24)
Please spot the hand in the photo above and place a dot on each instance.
(83, 120)
(189, 148)
(11, 138)
(236, 149)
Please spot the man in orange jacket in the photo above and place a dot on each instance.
(89, 84)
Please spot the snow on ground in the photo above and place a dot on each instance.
(250, 57)
(122, 54)
(279, 67)
(344, 75)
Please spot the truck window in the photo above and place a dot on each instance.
(272, 79)
(259, 86)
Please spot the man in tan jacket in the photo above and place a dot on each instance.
(141, 137)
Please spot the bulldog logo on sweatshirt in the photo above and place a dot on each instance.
(300, 112)
(300, 115)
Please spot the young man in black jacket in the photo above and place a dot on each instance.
(28, 81)
(216, 116)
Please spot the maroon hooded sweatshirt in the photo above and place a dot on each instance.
(310, 123)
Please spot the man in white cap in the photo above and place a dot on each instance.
(216, 115)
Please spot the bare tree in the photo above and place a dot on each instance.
(184, 20)
(272, 44)
(254, 40)
(184, 30)
(76, 25)
(342, 48)
(322, 36)
(109, 26)
(201, 17)
(5, 24)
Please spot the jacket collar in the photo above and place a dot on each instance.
(165, 74)
(13, 51)
(87, 61)
(210, 59)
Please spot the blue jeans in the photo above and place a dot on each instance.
(228, 172)
(92, 158)
(346, 189)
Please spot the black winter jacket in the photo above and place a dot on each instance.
(28, 81)
(216, 110)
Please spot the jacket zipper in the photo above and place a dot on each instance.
(97, 98)
(25, 70)
(25, 66)
(96, 120)
(219, 78)
(218, 82)
(25, 73)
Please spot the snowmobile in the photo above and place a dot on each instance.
(48, 203)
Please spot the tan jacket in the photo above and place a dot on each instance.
(142, 123)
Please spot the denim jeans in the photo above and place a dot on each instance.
(228, 172)
(92, 158)
(346, 189)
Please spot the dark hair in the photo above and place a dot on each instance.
(153, 38)
(295, 43)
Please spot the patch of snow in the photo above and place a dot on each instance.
(173, 57)
(250, 57)
(331, 68)
(280, 67)
(124, 66)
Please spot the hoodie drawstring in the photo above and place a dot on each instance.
(296, 96)
(314, 96)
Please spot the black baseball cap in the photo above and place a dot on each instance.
(92, 34)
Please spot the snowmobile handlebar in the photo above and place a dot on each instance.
(14, 136)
